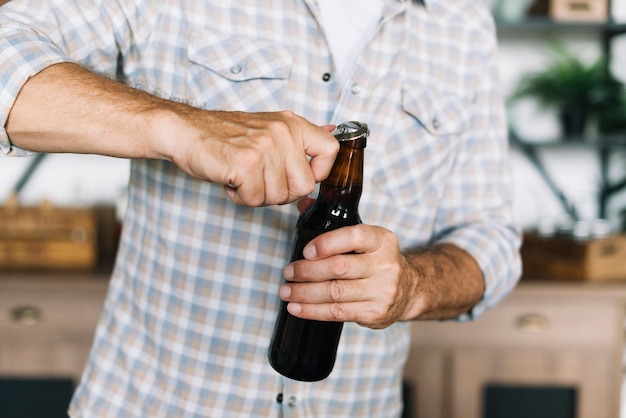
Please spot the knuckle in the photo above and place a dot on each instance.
(277, 194)
(300, 189)
(389, 235)
(340, 266)
(307, 187)
(358, 233)
(263, 140)
(287, 114)
(280, 199)
(382, 317)
(337, 312)
(392, 268)
(279, 126)
(255, 201)
(335, 291)
(248, 158)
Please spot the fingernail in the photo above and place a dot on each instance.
(294, 308)
(284, 291)
(288, 272)
(309, 251)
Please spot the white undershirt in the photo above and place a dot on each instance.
(348, 25)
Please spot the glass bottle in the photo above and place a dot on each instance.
(304, 349)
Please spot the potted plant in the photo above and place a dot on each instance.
(577, 90)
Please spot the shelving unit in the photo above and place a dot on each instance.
(604, 145)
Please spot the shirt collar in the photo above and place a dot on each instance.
(425, 3)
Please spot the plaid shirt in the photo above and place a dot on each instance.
(193, 298)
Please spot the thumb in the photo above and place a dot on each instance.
(322, 148)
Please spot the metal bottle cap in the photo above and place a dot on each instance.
(352, 131)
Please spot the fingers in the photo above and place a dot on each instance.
(330, 285)
(265, 157)
(363, 313)
(357, 239)
(322, 155)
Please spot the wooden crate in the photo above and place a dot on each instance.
(47, 237)
(579, 10)
(563, 258)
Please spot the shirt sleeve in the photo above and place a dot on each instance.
(35, 34)
(476, 212)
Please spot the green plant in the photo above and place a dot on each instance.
(577, 90)
(612, 115)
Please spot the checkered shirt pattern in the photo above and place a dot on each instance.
(192, 301)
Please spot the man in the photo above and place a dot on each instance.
(234, 125)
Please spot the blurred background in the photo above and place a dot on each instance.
(553, 349)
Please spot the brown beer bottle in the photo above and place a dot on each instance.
(305, 349)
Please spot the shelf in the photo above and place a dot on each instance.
(617, 142)
(549, 25)
(604, 145)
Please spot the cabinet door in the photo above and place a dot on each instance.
(590, 373)
(556, 335)
(47, 327)
(424, 372)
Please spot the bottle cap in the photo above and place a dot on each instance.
(356, 132)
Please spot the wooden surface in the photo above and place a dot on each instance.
(542, 334)
(47, 323)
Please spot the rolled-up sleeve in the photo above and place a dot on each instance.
(35, 34)
(23, 54)
(476, 211)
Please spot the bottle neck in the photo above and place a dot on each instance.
(345, 181)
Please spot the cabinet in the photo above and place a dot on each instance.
(47, 324)
(543, 335)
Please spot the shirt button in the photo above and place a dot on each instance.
(292, 401)
(356, 88)
(326, 77)
(235, 69)
(279, 398)
(436, 124)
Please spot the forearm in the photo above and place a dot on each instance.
(66, 108)
(261, 157)
(446, 282)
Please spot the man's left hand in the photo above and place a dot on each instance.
(370, 284)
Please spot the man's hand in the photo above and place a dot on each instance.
(260, 158)
(379, 285)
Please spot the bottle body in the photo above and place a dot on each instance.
(306, 349)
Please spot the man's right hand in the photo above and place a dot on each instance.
(260, 158)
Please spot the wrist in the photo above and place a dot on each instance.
(448, 283)
(167, 127)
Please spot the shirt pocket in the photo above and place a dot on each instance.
(233, 72)
(421, 151)
(439, 113)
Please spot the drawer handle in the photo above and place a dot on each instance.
(532, 322)
(26, 315)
